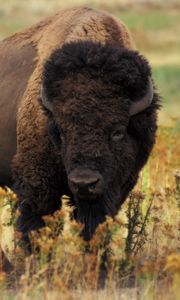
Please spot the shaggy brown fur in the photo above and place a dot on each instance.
(40, 167)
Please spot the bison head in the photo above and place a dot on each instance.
(101, 117)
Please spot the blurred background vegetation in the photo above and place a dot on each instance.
(154, 24)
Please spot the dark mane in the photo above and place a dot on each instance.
(114, 64)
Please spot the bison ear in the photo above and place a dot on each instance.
(44, 99)
(145, 101)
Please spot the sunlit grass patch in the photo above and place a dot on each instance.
(150, 19)
(167, 80)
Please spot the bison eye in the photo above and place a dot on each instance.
(117, 134)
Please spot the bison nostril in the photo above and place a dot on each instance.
(86, 187)
(74, 186)
(92, 186)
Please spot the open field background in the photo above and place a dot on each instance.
(145, 264)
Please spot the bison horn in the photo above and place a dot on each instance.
(44, 99)
(144, 102)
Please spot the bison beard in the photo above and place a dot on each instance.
(92, 212)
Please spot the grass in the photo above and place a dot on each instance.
(167, 80)
(150, 19)
(142, 244)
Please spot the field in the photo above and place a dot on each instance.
(140, 249)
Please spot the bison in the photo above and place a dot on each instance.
(78, 117)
